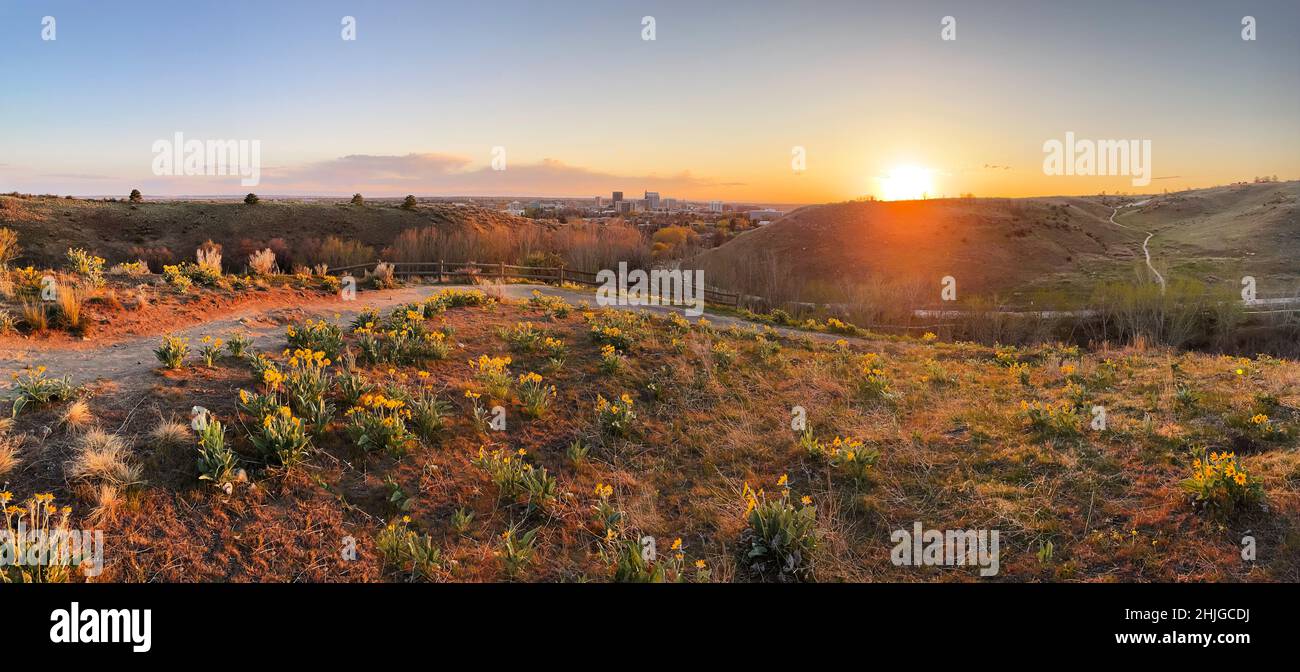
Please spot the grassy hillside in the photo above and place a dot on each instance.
(118, 231)
(953, 435)
(1017, 247)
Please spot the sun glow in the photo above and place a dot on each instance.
(906, 183)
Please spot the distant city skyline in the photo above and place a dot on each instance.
(721, 105)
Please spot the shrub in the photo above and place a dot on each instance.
(86, 265)
(335, 252)
(9, 248)
(850, 456)
(317, 335)
(517, 552)
(238, 345)
(357, 199)
(408, 203)
(428, 412)
(251, 199)
(615, 418)
(1050, 420)
(34, 387)
(610, 360)
(493, 373)
(173, 351)
(379, 423)
(781, 536)
(534, 394)
(1221, 484)
(135, 197)
(383, 277)
(209, 350)
(42, 520)
(281, 437)
(131, 269)
(522, 337)
(177, 277)
(262, 262)
(208, 258)
(216, 460)
(406, 550)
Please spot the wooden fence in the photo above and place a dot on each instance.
(465, 272)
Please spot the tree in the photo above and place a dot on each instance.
(358, 200)
(408, 203)
(135, 196)
(251, 199)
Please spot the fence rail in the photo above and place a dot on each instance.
(445, 271)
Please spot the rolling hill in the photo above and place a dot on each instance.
(1011, 246)
(118, 231)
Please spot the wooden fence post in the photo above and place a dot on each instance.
(501, 270)
(561, 275)
(442, 270)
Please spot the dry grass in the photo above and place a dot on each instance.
(36, 316)
(108, 504)
(77, 416)
(103, 457)
(70, 299)
(9, 459)
(262, 262)
(169, 432)
(956, 452)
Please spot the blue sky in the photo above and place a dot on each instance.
(582, 104)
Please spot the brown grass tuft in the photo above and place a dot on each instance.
(77, 415)
(171, 433)
(108, 503)
(9, 459)
(103, 457)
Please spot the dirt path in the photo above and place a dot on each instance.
(1146, 250)
(133, 358)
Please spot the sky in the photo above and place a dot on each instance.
(714, 107)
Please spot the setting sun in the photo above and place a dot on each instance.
(906, 183)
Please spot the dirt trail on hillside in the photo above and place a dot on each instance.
(1146, 250)
(133, 358)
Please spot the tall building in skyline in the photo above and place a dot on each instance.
(715, 206)
(651, 200)
(618, 196)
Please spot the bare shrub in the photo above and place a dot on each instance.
(336, 252)
(155, 257)
(383, 277)
(208, 256)
(262, 262)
